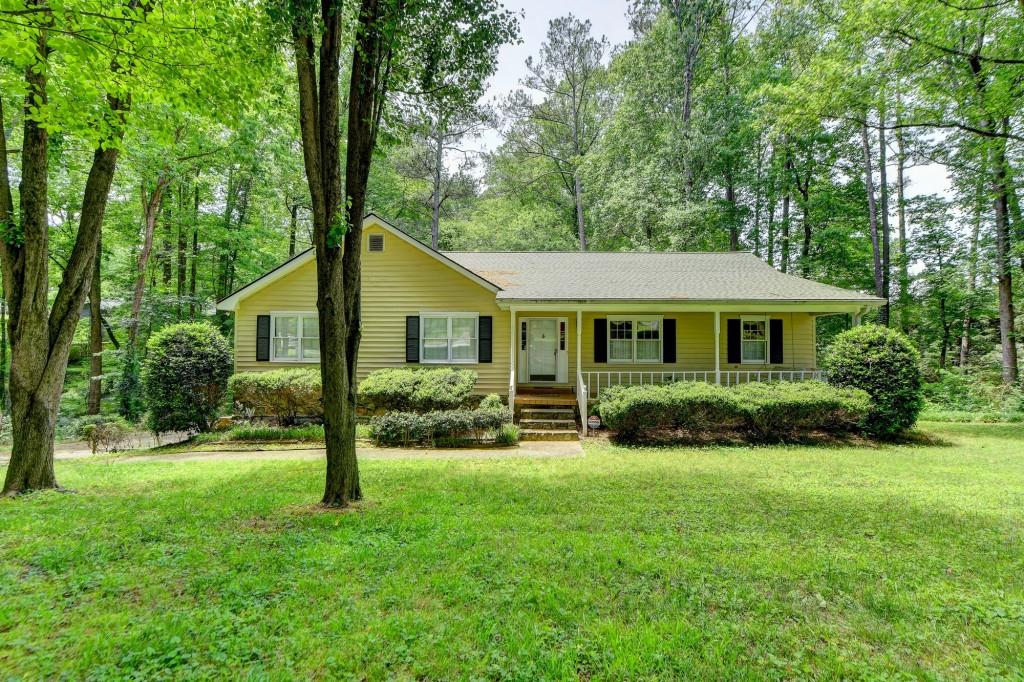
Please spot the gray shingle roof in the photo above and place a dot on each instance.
(731, 276)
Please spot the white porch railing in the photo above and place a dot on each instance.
(581, 402)
(512, 389)
(594, 382)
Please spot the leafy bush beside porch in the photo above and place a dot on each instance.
(762, 411)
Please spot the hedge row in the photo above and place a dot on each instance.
(417, 390)
(766, 410)
(441, 428)
(285, 394)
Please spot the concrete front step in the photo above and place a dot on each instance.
(547, 424)
(549, 434)
(548, 413)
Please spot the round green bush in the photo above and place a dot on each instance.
(882, 362)
(184, 377)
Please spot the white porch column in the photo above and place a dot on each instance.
(718, 347)
(513, 355)
(579, 342)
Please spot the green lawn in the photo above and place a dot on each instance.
(765, 562)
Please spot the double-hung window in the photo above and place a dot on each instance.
(295, 337)
(754, 340)
(634, 339)
(449, 337)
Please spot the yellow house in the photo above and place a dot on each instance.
(567, 323)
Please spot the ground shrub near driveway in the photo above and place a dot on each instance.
(703, 563)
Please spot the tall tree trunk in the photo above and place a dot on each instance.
(293, 227)
(770, 242)
(883, 210)
(787, 189)
(903, 264)
(96, 336)
(435, 199)
(182, 268)
(972, 272)
(869, 187)
(578, 196)
(1007, 332)
(151, 202)
(730, 200)
(41, 333)
(193, 261)
(945, 333)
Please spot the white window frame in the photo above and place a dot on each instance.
(763, 319)
(301, 315)
(449, 360)
(634, 319)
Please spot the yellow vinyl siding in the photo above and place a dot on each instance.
(798, 331)
(400, 281)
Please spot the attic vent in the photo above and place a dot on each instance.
(376, 242)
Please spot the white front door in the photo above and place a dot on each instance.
(546, 354)
(543, 349)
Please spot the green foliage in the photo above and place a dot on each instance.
(417, 390)
(284, 394)
(492, 401)
(440, 428)
(884, 363)
(687, 405)
(130, 403)
(952, 395)
(184, 377)
(103, 432)
(508, 434)
(257, 433)
(764, 410)
(792, 408)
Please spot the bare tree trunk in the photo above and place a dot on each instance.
(1007, 333)
(578, 195)
(193, 260)
(770, 243)
(435, 199)
(883, 210)
(785, 211)
(972, 275)
(293, 226)
(903, 265)
(95, 336)
(151, 203)
(182, 268)
(869, 186)
(730, 200)
(945, 333)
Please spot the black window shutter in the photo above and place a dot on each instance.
(486, 334)
(600, 340)
(263, 338)
(732, 341)
(775, 342)
(412, 338)
(668, 343)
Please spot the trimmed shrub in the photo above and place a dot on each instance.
(417, 390)
(791, 407)
(184, 377)
(692, 406)
(884, 363)
(444, 427)
(103, 432)
(284, 394)
(492, 401)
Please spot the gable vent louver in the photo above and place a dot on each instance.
(376, 242)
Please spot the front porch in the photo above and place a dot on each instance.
(569, 357)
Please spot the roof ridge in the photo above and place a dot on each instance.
(631, 253)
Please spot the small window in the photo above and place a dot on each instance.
(634, 339)
(295, 337)
(449, 337)
(376, 242)
(754, 341)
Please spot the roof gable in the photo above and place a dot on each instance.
(231, 301)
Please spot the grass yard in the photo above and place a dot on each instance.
(720, 562)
